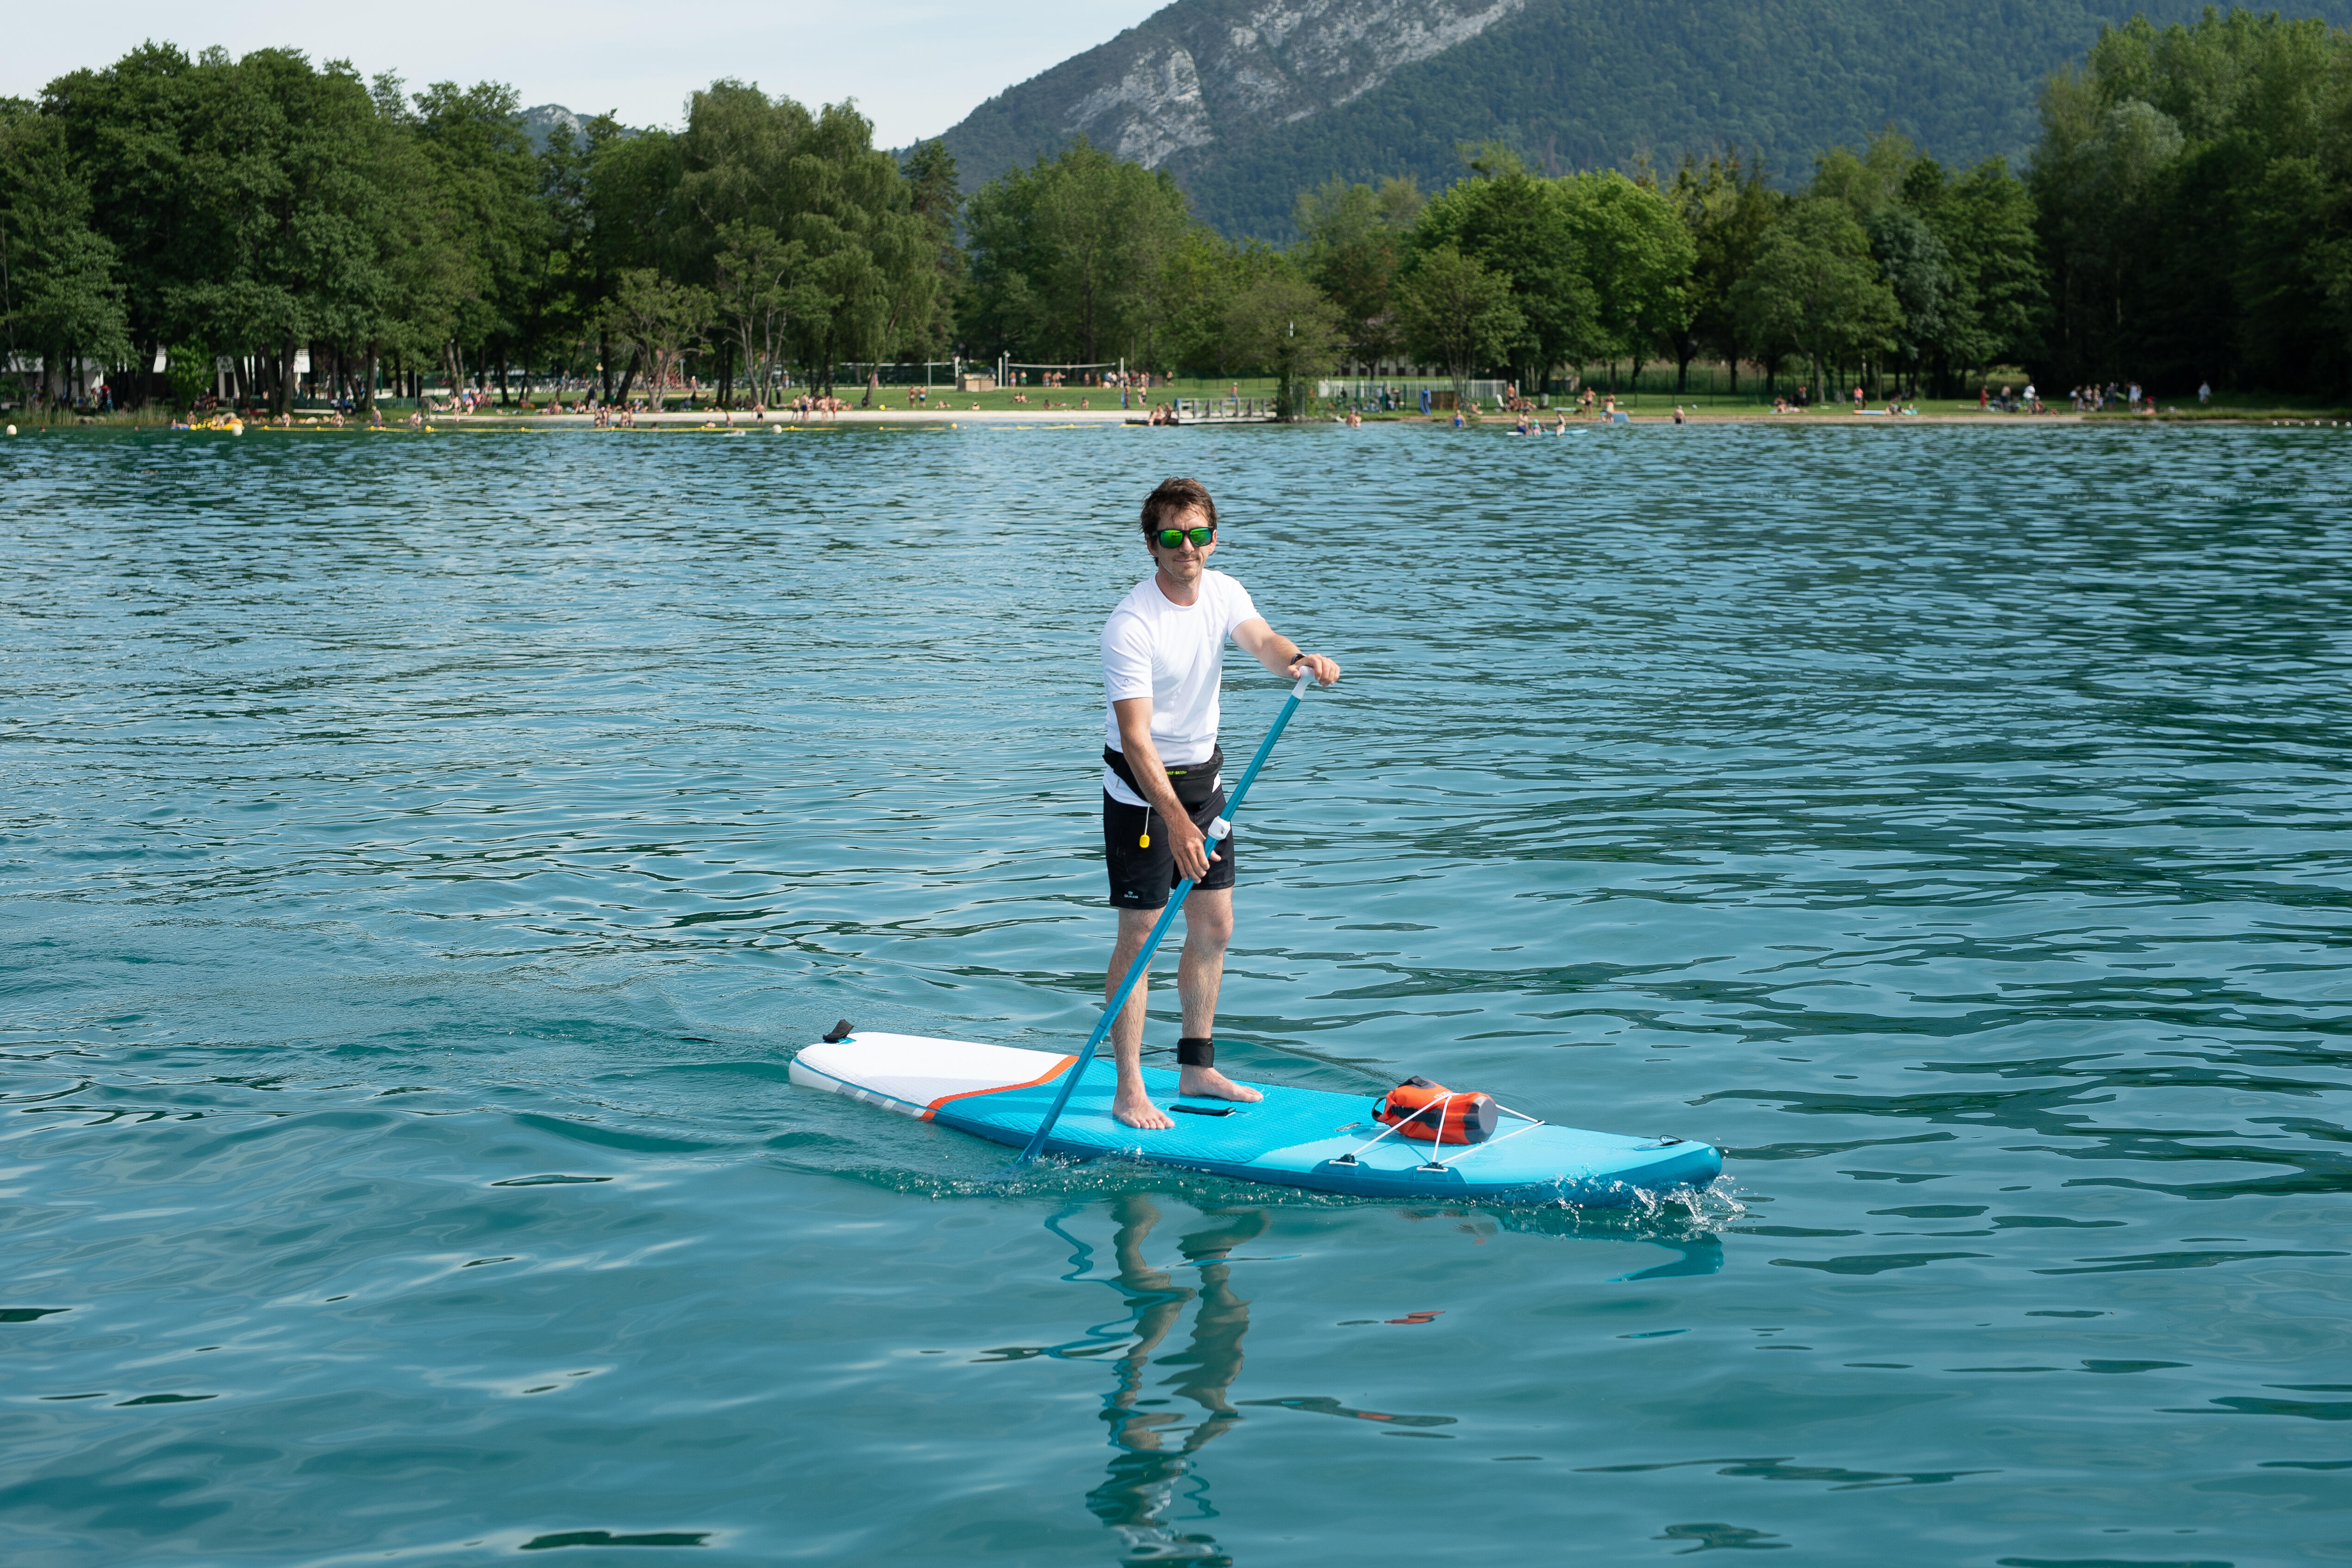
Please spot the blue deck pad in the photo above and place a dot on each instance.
(1294, 1136)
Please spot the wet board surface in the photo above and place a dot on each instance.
(1297, 1137)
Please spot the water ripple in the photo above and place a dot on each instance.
(421, 856)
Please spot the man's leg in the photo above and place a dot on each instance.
(1131, 1104)
(1208, 928)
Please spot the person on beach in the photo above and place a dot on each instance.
(1162, 658)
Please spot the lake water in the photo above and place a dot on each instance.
(423, 854)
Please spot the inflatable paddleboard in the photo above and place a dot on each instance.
(1297, 1137)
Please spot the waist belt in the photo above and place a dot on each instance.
(1193, 783)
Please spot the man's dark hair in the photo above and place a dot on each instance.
(1173, 498)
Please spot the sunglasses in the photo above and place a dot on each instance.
(1173, 539)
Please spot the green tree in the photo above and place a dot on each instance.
(1639, 257)
(2187, 206)
(254, 203)
(1356, 239)
(1181, 299)
(59, 293)
(1816, 286)
(758, 300)
(290, 172)
(658, 320)
(631, 222)
(1996, 294)
(483, 179)
(558, 298)
(127, 128)
(1917, 271)
(1279, 321)
(867, 267)
(1538, 237)
(1868, 182)
(937, 200)
(1064, 255)
(868, 251)
(2331, 246)
(1727, 209)
(1457, 314)
(1887, 187)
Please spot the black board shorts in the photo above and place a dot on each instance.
(1142, 878)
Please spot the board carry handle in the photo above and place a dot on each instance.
(1216, 834)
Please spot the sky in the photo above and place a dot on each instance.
(915, 67)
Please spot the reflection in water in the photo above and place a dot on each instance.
(1695, 1234)
(1155, 1438)
(1155, 1444)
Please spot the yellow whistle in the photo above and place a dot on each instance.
(1144, 842)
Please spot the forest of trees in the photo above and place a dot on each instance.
(2187, 217)
(1571, 84)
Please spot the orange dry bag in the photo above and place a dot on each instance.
(1425, 1110)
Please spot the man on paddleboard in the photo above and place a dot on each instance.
(1163, 656)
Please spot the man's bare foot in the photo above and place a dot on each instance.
(1134, 1107)
(1208, 1083)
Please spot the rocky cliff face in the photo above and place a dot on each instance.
(1198, 79)
(1190, 72)
(1245, 103)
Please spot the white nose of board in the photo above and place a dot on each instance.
(915, 1075)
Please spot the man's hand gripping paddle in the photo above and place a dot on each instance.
(1135, 971)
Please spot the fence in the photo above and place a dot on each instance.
(1105, 373)
(909, 373)
(1407, 390)
(1212, 408)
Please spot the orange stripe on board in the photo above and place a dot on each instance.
(1045, 1077)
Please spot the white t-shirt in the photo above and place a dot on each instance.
(1174, 654)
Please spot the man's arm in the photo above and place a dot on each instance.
(1151, 782)
(1280, 654)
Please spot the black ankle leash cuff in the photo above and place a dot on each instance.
(1193, 1052)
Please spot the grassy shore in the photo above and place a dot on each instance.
(1705, 399)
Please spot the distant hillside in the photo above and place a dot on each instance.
(1249, 102)
(539, 123)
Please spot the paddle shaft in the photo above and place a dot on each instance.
(1218, 830)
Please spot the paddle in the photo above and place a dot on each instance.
(1135, 971)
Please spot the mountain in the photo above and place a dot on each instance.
(539, 123)
(1248, 102)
